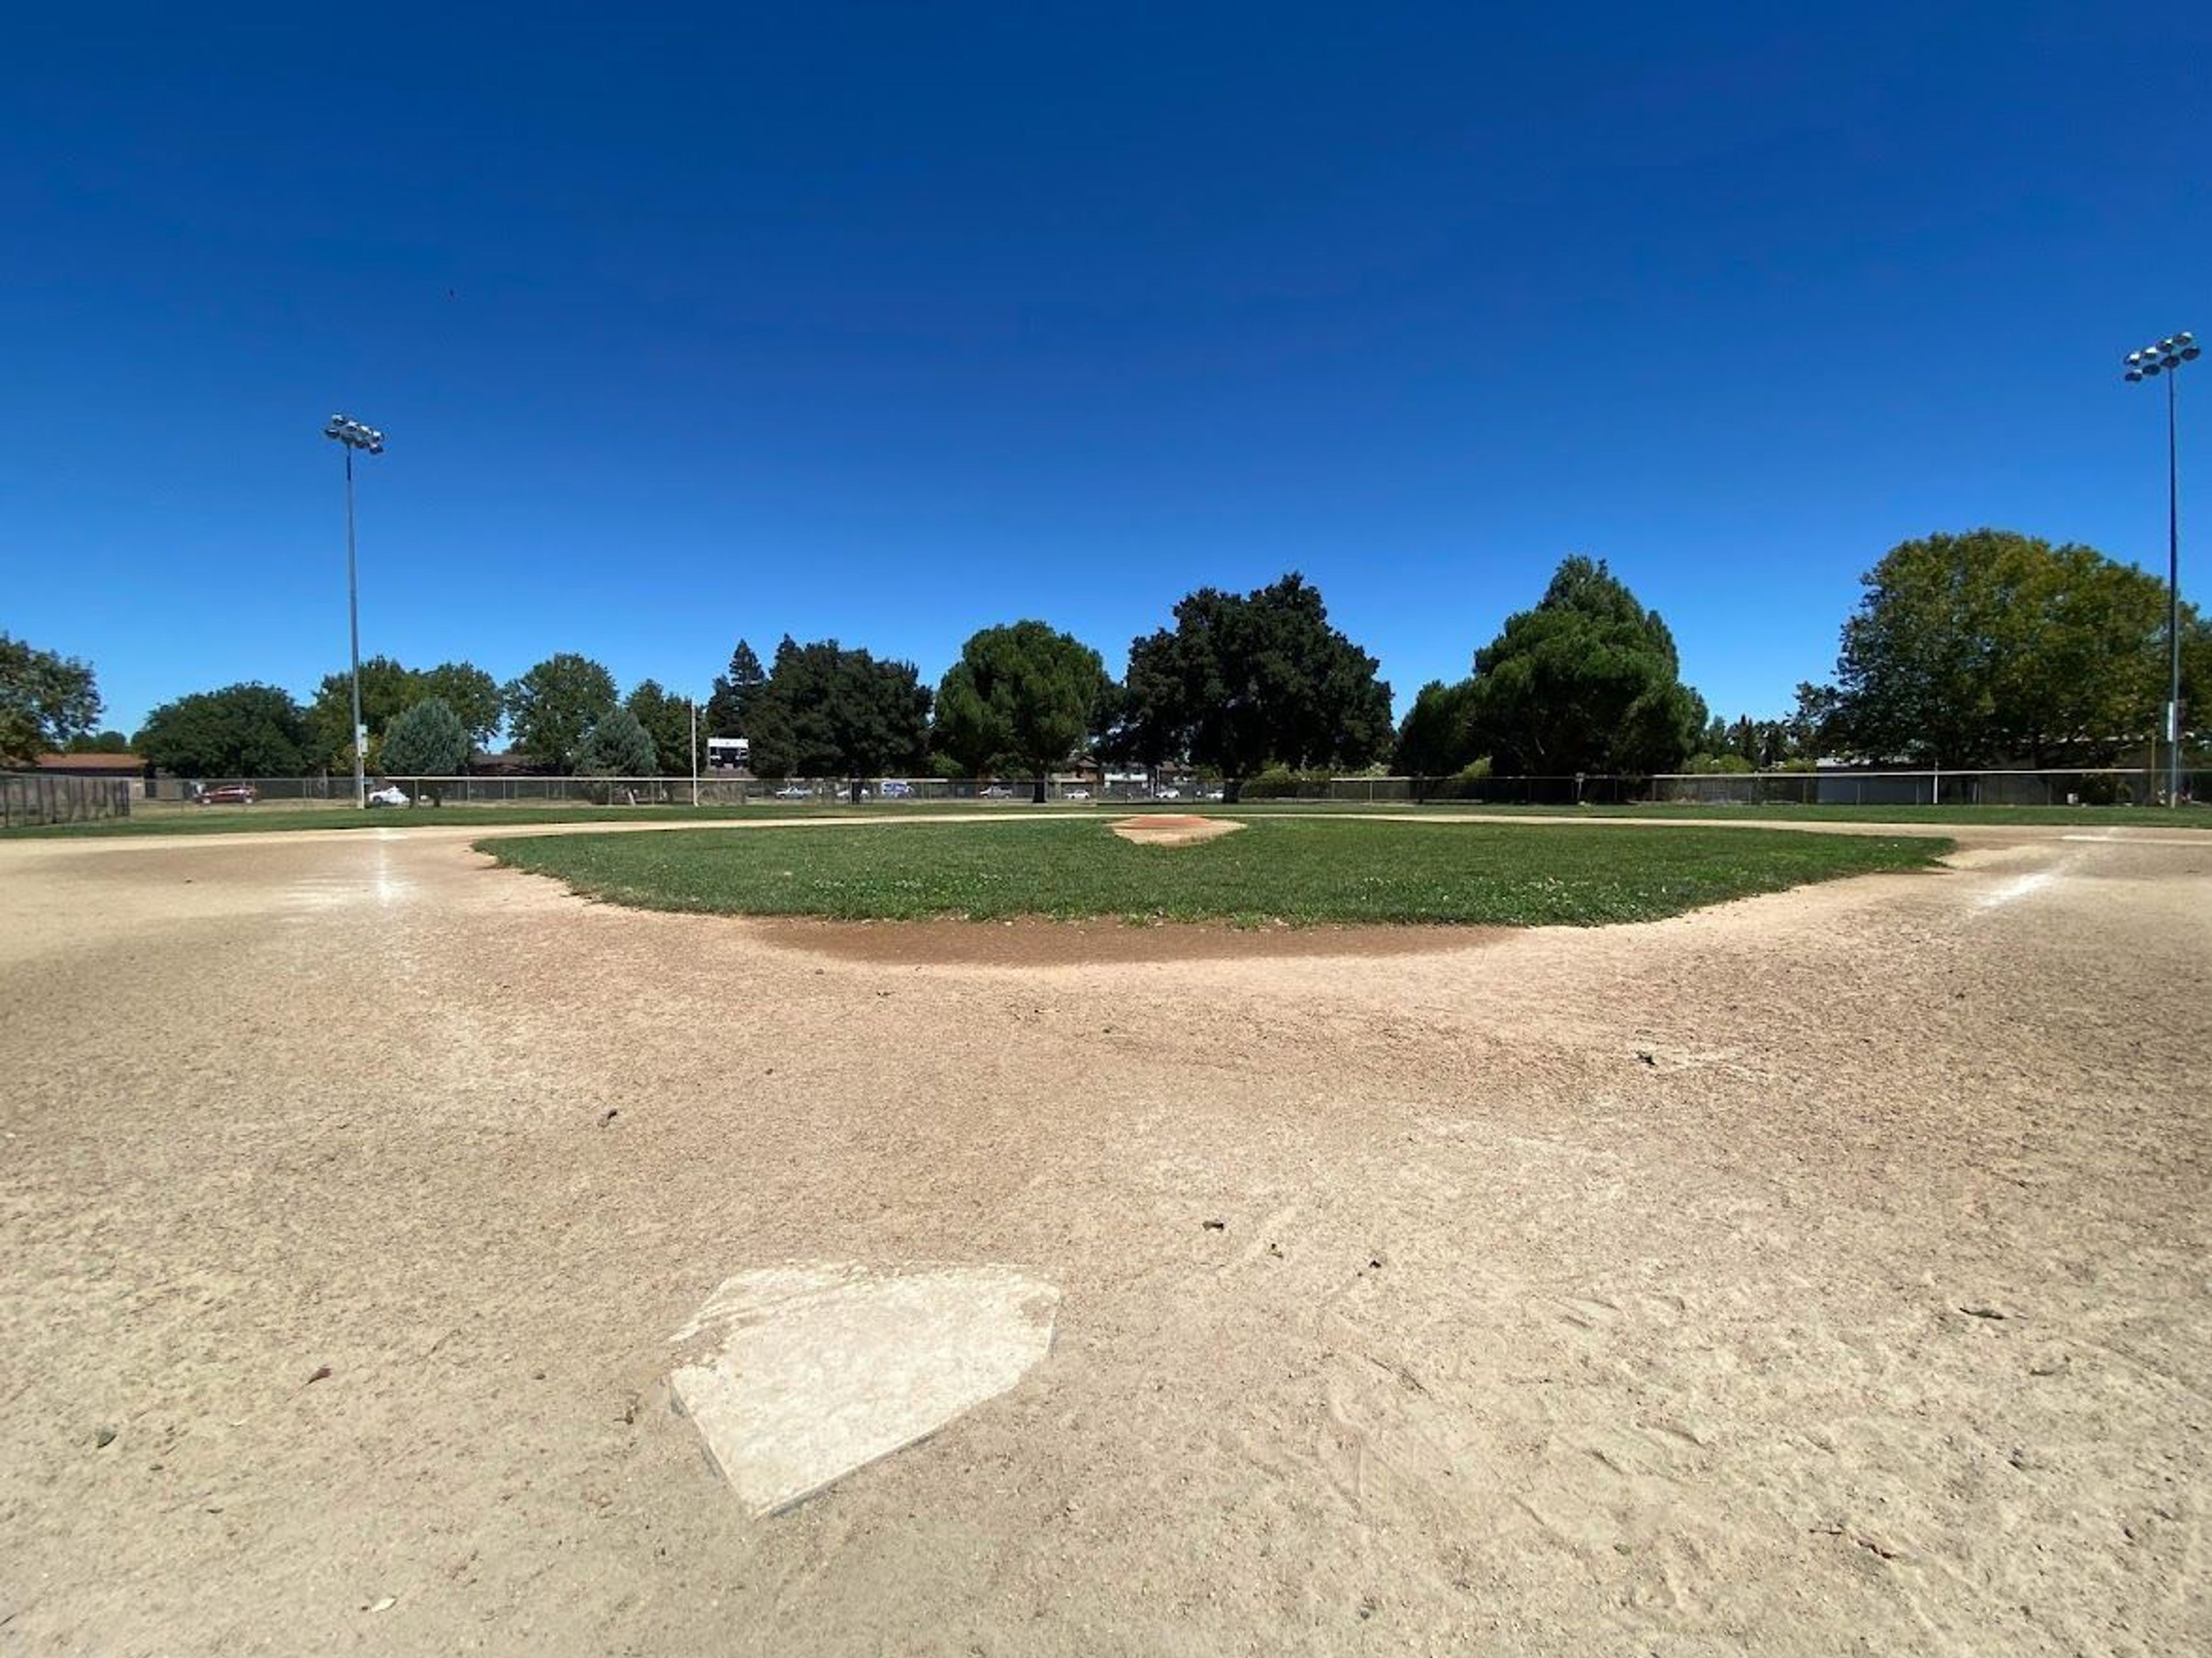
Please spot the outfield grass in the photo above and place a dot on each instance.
(1277, 869)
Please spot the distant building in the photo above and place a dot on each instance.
(115, 767)
(92, 765)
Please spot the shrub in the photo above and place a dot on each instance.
(426, 742)
(616, 746)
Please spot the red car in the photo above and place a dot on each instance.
(229, 794)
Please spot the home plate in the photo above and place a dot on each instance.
(813, 1370)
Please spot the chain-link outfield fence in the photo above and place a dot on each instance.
(1831, 786)
(28, 798)
(654, 791)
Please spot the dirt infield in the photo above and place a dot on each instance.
(1823, 1272)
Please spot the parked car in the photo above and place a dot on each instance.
(897, 791)
(998, 792)
(229, 794)
(1210, 794)
(1076, 794)
(794, 792)
(1168, 794)
(390, 795)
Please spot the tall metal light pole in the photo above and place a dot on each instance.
(2165, 357)
(353, 435)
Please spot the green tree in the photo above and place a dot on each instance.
(427, 741)
(241, 731)
(1810, 730)
(1242, 681)
(667, 720)
(616, 746)
(470, 693)
(1139, 718)
(729, 707)
(550, 708)
(1993, 647)
(1436, 737)
(829, 711)
(1021, 698)
(46, 702)
(388, 690)
(1588, 681)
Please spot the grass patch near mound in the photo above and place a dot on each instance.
(1303, 873)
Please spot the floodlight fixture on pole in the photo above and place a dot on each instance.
(351, 434)
(2165, 357)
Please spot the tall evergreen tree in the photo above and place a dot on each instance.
(729, 708)
(1588, 681)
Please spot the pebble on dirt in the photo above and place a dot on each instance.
(103, 1437)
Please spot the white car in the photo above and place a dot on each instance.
(1076, 794)
(390, 795)
(1168, 794)
(794, 792)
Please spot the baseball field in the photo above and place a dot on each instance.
(1682, 1239)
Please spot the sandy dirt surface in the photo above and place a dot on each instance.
(1822, 1273)
(1172, 828)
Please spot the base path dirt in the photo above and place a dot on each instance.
(1820, 1273)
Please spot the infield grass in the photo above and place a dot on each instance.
(1297, 872)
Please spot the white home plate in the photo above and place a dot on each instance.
(815, 1370)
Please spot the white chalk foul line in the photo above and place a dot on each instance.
(2019, 887)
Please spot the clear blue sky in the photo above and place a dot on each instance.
(888, 322)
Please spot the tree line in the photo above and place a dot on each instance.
(1985, 648)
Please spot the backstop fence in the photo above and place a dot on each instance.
(28, 798)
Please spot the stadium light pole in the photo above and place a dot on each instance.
(2165, 357)
(351, 434)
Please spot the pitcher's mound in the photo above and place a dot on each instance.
(1172, 830)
